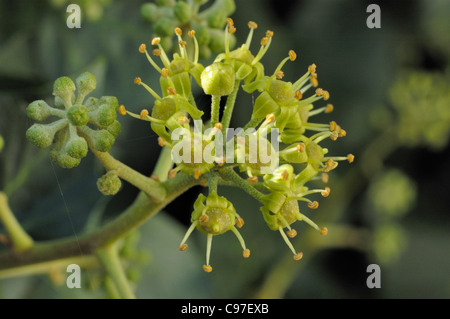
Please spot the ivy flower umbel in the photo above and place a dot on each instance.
(67, 136)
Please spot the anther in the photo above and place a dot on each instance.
(239, 222)
(301, 147)
(252, 179)
(207, 268)
(291, 233)
(270, 118)
(142, 48)
(252, 25)
(230, 22)
(312, 68)
(122, 110)
(329, 108)
(264, 41)
(292, 55)
(183, 247)
(204, 218)
(333, 126)
(326, 192)
(298, 95)
(172, 173)
(143, 114)
(171, 91)
(156, 41)
(218, 126)
(183, 44)
(350, 158)
(246, 253)
(342, 133)
(191, 33)
(279, 74)
(326, 95)
(298, 256)
(269, 34)
(156, 52)
(314, 81)
(232, 29)
(183, 120)
(161, 141)
(137, 81)
(284, 175)
(178, 31)
(319, 92)
(324, 231)
(197, 173)
(313, 205)
(164, 72)
(334, 136)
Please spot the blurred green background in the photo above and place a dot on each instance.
(390, 89)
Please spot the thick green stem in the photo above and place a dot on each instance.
(213, 179)
(110, 259)
(140, 211)
(215, 109)
(20, 239)
(228, 111)
(231, 175)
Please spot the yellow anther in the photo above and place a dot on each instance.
(325, 178)
(284, 175)
(239, 222)
(342, 133)
(270, 118)
(333, 126)
(326, 95)
(314, 81)
(301, 147)
(197, 173)
(178, 31)
(298, 95)
(279, 74)
(164, 72)
(230, 22)
(334, 136)
(292, 55)
(183, 44)
(144, 114)
(264, 41)
(313, 205)
(191, 33)
(221, 161)
(161, 141)
(291, 233)
(183, 120)
(330, 165)
(232, 29)
(183, 247)
(122, 110)
(269, 34)
(171, 91)
(252, 25)
(137, 80)
(298, 256)
(252, 179)
(156, 41)
(326, 192)
(324, 231)
(156, 52)
(218, 126)
(319, 92)
(350, 158)
(246, 253)
(142, 48)
(312, 68)
(207, 268)
(172, 173)
(204, 218)
(329, 108)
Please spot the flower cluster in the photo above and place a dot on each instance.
(281, 107)
(81, 124)
(166, 15)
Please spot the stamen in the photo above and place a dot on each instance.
(232, 29)
(312, 68)
(142, 48)
(252, 179)
(178, 31)
(301, 147)
(156, 41)
(313, 205)
(298, 256)
(171, 91)
(156, 52)
(279, 74)
(207, 268)
(270, 118)
(197, 173)
(183, 120)
(191, 33)
(292, 55)
(183, 247)
(326, 192)
(269, 34)
(298, 95)
(284, 175)
(218, 126)
(329, 108)
(173, 173)
(252, 25)
(164, 72)
(326, 95)
(161, 141)
(138, 81)
(143, 114)
(313, 79)
(246, 253)
(342, 133)
(208, 250)
(264, 41)
(204, 218)
(230, 22)
(288, 243)
(239, 222)
(240, 239)
(333, 126)
(324, 231)
(350, 158)
(122, 110)
(291, 233)
(309, 222)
